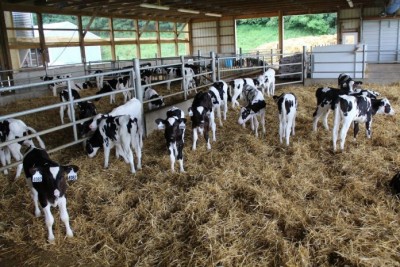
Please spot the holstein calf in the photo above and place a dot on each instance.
(56, 83)
(238, 85)
(346, 82)
(202, 116)
(121, 132)
(219, 97)
(287, 107)
(172, 73)
(356, 109)
(267, 82)
(327, 97)
(46, 180)
(156, 100)
(189, 82)
(174, 125)
(83, 85)
(133, 108)
(64, 97)
(124, 83)
(11, 129)
(109, 86)
(255, 107)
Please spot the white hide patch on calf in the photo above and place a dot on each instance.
(200, 109)
(54, 171)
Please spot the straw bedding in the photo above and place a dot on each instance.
(247, 202)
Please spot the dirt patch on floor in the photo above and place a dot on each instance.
(295, 45)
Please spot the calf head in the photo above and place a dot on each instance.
(86, 109)
(174, 127)
(382, 106)
(199, 115)
(251, 110)
(52, 176)
(94, 143)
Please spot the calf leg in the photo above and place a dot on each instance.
(62, 108)
(195, 137)
(288, 129)
(325, 119)
(49, 219)
(3, 158)
(213, 125)
(255, 120)
(219, 115)
(281, 129)
(172, 148)
(180, 156)
(15, 150)
(35, 197)
(62, 205)
(106, 155)
(343, 133)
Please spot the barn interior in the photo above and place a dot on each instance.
(246, 202)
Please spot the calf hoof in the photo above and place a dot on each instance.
(70, 234)
(51, 240)
(37, 213)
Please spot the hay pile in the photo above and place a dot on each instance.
(248, 201)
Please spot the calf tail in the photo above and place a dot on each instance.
(41, 143)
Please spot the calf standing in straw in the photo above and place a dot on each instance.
(287, 107)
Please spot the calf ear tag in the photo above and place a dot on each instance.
(182, 126)
(72, 176)
(37, 177)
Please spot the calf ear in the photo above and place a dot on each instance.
(36, 174)
(160, 124)
(71, 171)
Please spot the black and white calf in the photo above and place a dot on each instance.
(133, 108)
(287, 108)
(355, 109)
(121, 132)
(172, 73)
(327, 97)
(54, 86)
(347, 83)
(202, 116)
(83, 85)
(174, 125)
(157, 101)
(109, 86)
(255, 107)
(267, 82)
(124, 82)
(219, 97)
(64, 97)
(46, 180)
(237, 85)
(11, 129)
(188, 82)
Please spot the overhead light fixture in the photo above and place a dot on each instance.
(154, 6)
(213, 15)
(188, 11)
(350, 2)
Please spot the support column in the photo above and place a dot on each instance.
(281, 31)
(5, 57)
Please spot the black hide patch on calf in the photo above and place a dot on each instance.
(157, 102)
(395, 184)
(4, 130)
(257, 106)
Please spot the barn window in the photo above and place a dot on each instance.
(125, 52)
(23, 39)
